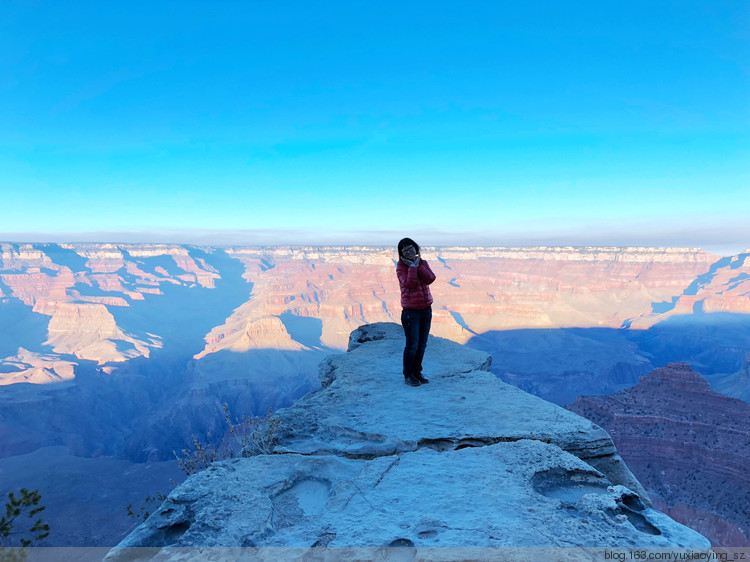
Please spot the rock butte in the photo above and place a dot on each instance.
(466, 460)
(688, 445)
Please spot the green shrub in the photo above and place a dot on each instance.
(13, 524)
(141, 512)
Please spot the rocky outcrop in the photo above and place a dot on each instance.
(35, 368)
(465, 460)
(267, 332)
(689, 446)
(89, 331)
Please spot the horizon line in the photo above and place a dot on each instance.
(576, 246)
(731, 240)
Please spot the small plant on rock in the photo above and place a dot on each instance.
(202, 456)
(256, 436)
(141, 512)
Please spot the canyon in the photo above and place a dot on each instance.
(126, 351)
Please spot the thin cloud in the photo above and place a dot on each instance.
(727, 240)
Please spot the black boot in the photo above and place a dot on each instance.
(421, 379)
(411, 380)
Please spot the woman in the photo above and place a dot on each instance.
(414, 276)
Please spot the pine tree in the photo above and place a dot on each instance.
(14, 509)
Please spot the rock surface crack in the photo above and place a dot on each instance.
(390, 466)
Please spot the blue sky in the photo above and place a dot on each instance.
(352, 122)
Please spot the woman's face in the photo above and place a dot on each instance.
(409, 252)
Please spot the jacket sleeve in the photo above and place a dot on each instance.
(425, 273)
(407, 276)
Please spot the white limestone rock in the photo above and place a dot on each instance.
(364, 409)
(367, 461)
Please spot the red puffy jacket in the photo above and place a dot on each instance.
(414, 281)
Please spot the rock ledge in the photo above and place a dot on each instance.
(466, 460)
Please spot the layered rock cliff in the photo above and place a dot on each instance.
(465, 460)
(116, 303)
(688, 445)
(84, 287)
(91, 297)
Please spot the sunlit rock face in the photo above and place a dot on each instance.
(477, 289)
(89, 331)
(689, 446)
(81, 287)
(464, 461)
(306, 298)
(555, 287)
(321, 294)
(36, 368)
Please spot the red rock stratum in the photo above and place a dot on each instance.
(687, 445)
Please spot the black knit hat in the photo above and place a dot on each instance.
(404, 243)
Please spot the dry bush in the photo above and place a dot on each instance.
(202, 456)
(255, 436)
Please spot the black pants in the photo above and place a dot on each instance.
(416, 325)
